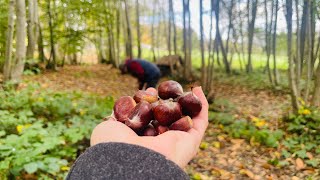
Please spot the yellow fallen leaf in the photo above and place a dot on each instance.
(19, 128)
(277, 154)
(306, 112)
(221, 138)
(216, 144)
(65, 168)
(260, 123)
(204, 145)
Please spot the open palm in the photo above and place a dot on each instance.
(177, 146)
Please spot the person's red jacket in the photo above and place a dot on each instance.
(135, 68)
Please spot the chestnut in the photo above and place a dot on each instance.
(123, 107)
(170, 89)
(190, 104)
(150, 131)
(183, 124)
(150, 97)
(167, 112)
(140, 116)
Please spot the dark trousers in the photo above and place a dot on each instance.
(151, 82)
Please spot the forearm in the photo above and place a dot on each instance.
(124, 161)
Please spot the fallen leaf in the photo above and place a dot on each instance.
(220, 138)
(310, 156)
(299, 164)
(216, 144)
(247, 172)
(266, 166)
(223, 173)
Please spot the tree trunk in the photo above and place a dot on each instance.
(268, 39)
(251, 26)
(298, 57)
(152, 31)
(129, 36)
(219, 40)
(316, 93)
(118, 32)
(274, 45)
(310, 53)
(31, 29)
(52, 60)
(241, 31)
(40, 45)
(169, 27)
(292, 81)
(186, 37)
(18, 64)
(138, 29)
(9, 42)
(173, 24)
(303, 33)
(230, 25)
(189, 69)
(210, 49)
(203, 65)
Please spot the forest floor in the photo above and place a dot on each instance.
(220, 157)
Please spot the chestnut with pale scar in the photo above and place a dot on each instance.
(152, 115)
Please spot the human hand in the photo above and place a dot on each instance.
(177, 146)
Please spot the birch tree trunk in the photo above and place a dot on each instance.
(173, 25)
(298, 58)
(274, 45)
(203, 65)
(18, 63)
(309, 51)
(268, 39)
(251, 25)
(129, 36)
(152, 31)
(316, 93)
(138, 29)
(293, 86)
(9, 42)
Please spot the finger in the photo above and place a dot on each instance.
(200, 122)
(108, 131)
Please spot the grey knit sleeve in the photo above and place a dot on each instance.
(123, 161)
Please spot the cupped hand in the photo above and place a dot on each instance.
(177, 146)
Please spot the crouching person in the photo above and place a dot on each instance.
(146, 72)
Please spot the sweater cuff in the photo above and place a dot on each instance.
(124, 161)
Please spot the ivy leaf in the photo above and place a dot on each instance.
(285, 153)
(2, 133)
(302, 153)
(31, 167)
(313, 162)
